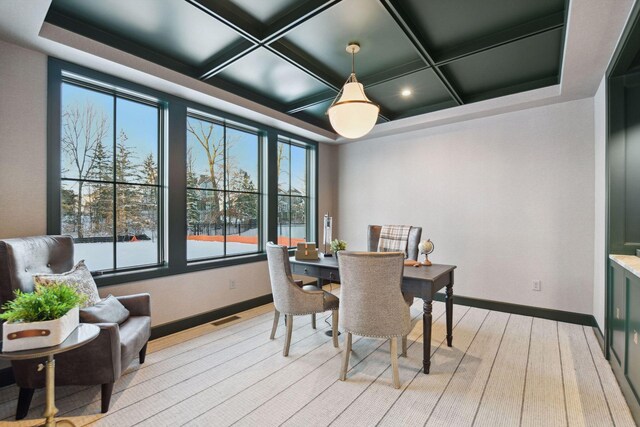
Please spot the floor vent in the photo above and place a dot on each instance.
(225, 320)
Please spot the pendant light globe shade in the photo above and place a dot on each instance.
(353, 115)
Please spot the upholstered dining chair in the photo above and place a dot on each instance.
(371, 303)
(101, 361)
(373, 236)
(292, 300)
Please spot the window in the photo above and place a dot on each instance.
(149, 184)
(223, 189)
(110, 192)
(293, 193)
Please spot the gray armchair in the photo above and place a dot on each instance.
(371, 303)
(373, 236)
(99, 362)
(292, 300)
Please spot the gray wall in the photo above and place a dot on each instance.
(508, 199)
(600, 206)
(23, 76)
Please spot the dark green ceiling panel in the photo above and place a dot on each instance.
(173, 28)
(290, 55)
(271, 76)
(319, 111)
(266, 11)
(325, 38)
(446, 24)
(528, 60)
(425, 87)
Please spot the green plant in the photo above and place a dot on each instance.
(48, 302)
(338, 245)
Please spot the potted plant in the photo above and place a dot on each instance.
(338, 245)
(42, 318)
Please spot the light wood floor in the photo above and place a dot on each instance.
(503, 370)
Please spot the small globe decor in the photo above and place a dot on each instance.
(426, 247)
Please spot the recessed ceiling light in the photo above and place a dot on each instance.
(406, 92)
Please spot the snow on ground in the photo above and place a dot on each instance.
(99, 256)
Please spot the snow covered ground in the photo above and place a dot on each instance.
(99, 256)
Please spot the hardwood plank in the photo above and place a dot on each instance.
(376, 400)
(201, 382)
(469, 379)
(207, 340)
(413, 406)
(318, 364)
(543, 403)
(328, 404)
(586, 404)
(173, 371)
(501, 404)
(618, 406)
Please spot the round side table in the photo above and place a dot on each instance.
(83, 334)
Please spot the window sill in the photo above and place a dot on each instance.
(118, 278)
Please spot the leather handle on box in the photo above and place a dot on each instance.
(28, 333)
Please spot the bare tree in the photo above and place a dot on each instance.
(83, 128)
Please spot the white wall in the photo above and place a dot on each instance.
(600, 246)
(23, 120)
(23, 97)
(508, 199)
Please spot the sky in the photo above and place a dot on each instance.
(138, 121)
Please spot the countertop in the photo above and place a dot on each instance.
(629, 262)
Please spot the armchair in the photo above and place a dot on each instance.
(103, 360)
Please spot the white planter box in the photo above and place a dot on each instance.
(58, 331)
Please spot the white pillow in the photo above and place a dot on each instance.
(78, 278)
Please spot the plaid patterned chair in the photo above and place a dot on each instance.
(373, 236)
(292, 300)
(371, 303)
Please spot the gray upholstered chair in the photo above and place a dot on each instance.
(99, 362)
(373, 236)
(371, 303)
(292, 300)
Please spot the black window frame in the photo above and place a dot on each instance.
(117, 93)
(200, 115)
(174, 169)
(310, 188)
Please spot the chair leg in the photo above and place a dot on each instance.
(345, 360)
(404, 346)
(276, 319)
(334, 327)
(394, 362)
(143, 353)
(107, 389)
(24, 401)
(313, 320)
(287, 341)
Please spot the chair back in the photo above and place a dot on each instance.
(22, 257)
(371, 302)
(415, 233)
(288, 298)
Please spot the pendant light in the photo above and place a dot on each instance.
(351, 113)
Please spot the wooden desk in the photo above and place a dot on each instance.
(422, 282)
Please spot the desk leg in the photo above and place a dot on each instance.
(449, 303)
(426, 335)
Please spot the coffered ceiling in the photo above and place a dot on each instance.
(290, 55)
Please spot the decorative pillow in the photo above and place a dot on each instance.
(108, 310)
(79, 278)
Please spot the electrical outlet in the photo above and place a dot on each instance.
(232, 284)
(537, 285)
(617, 312)
(635, 337)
